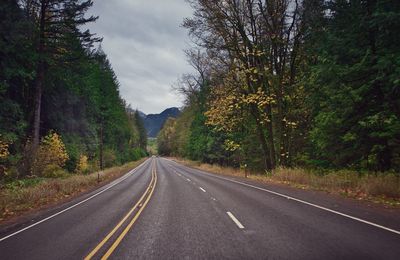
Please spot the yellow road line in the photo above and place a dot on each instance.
(123, 234)
(109, 235)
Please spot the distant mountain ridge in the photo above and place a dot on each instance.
(154, 122)
(141, 114)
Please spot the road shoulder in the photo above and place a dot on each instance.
(362, 209)
(35, 214)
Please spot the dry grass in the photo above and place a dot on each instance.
(379, 188)
(18, 200)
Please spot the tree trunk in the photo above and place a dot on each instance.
(270, 138)
(37, 107)
(40, 76)
(101, 146)
(269, 164)
(267, 157)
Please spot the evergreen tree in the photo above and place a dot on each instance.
(142, 130)
(354, 85)
(57, 21)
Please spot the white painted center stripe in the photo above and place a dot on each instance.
(237, 222)
(202, 189)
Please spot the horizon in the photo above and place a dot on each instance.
(138, 109)
(145, 47)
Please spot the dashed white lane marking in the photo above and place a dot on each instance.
(214, 199)
(304, 202)
(187, 179)
(202, 189)
(237, 222)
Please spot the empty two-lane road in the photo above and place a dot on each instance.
(164, 210)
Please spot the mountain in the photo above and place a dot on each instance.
(154, 122)
(131, 110)
(141, 114)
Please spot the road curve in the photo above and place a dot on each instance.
(164, 210)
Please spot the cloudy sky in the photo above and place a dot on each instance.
(144, 42)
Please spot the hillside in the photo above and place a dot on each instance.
(154, 122)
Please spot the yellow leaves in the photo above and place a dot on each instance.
(4, 153)
(223, 108)
(55, 148)
(260, 99)
(252, 72)
(290, 124)
(82, 165)
(62, 50)
(51, 151)
(231, 101)
(230, 145)
(257, 53)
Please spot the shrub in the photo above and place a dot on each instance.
(51, 152)
(109, 158)
(73, 154)
(4, 153)
(82, 166)
(54, 171)
(136, 154)
(3, 149)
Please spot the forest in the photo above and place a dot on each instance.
(61, 112)
(291, 83)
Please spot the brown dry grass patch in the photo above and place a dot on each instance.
(379, 188)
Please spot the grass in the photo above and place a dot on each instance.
(22, 196)
(379, 188)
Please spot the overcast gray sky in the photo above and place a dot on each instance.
(144, 43)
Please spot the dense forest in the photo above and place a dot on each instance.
(60, 110)
(291, 83)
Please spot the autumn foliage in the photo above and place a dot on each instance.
(288, 83)
(4, 153)
(51, 152)
(82, 165)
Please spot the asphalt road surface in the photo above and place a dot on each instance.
(164, 210)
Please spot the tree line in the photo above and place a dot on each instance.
(60, 102)
(285, 83)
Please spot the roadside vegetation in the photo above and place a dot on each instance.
(33, 193)
(152, 146)
(305, 92)
(382, 188)
(61, 113)
(62, 118)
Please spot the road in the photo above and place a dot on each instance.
(164, 210)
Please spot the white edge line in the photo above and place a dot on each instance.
(237, 222)
(77, 204)
(304, 202)
(202, 189)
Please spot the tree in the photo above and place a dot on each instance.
(77, 86)
(354, 84)
(57, 20)
(166, 136)
(142, 130)
(257, 44)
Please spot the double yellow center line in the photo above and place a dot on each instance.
(136, 209)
